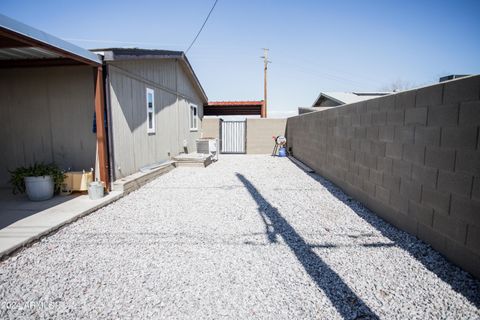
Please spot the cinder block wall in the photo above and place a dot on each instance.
(260, 133)
(411, 157)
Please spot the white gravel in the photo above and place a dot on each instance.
(247, 237)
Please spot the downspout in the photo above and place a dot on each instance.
(177, 107)
(108, 109)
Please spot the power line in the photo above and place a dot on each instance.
(203, 25)
(323, 75)
(121, 42)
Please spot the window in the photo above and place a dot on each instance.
(193, 117)
(150, 111)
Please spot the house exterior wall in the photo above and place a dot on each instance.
(134, 148)
(46, 115)
(411, 157)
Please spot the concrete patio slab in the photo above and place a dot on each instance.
(23, 221)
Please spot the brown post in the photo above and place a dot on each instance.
(264, 106)
(263, 111)
(101, 132)
(265, 68)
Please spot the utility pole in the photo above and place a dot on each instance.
(265, 62)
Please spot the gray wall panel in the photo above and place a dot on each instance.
(46, 115)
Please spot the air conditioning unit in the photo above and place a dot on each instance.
(208, 146)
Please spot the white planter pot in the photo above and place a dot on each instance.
(39, 188)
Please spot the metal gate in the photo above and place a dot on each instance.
(232, 136)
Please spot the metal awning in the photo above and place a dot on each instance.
(25, 46)
(234, 108)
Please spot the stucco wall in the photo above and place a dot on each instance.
(260, 132)
(412, 157)
(210, 127)
(46, 115)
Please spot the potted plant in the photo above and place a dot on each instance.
(40, 181)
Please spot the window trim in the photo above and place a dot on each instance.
(194, 106)
(152, 111)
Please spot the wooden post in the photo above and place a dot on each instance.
(265, 68)
(101, 132)
(263, 111)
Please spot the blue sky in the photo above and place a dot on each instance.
(314, 45)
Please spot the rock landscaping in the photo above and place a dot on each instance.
(251, 237)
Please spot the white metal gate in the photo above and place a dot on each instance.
(233, 135)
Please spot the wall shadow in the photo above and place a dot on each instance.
(460, 281)
(17, 207)
(345, 301)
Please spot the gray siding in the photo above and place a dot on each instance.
(185, 87)
(160, 72)
(133, 147)
(46, 115)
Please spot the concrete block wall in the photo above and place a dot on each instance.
(412, 157)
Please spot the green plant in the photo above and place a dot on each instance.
(35, 170)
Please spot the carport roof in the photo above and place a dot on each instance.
(233, 108)
(23, 45)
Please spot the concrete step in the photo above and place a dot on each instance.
(138, 179)
(193, 160)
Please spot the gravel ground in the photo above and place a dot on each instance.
(247, 237)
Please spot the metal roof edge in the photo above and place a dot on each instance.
(316, 100)
(330, 97)
(112, 54)
(197, 82)
(136, 53)
(37, 35)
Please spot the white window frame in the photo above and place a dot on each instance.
(150, 110)
(193, 126)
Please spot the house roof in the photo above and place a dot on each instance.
(112, 54)
(23, 45)
(348, 97)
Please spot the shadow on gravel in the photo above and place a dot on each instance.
(366, 245)
(460, 281)
(345, 301)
